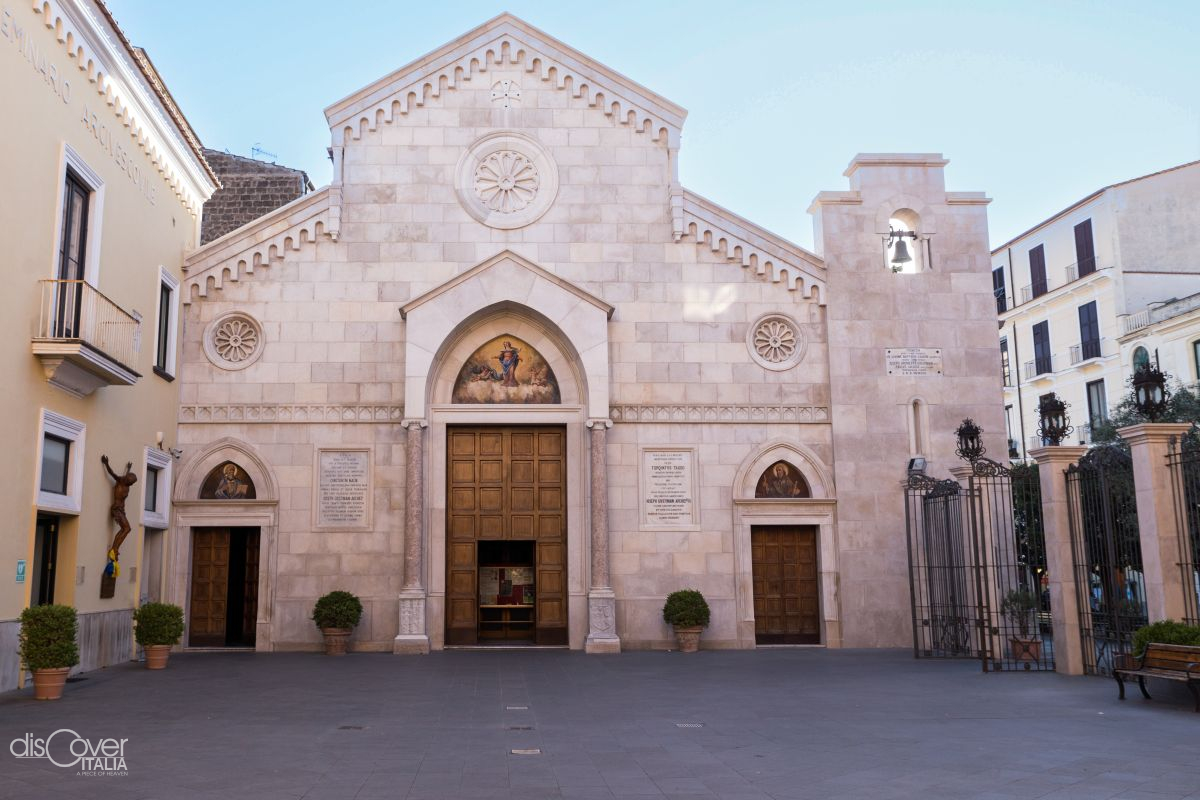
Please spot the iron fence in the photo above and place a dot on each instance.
(1106, 554)
(947, 573)
(1184, 462)
(1006, 509)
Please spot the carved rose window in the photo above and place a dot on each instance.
(233, 341)
(776, 342)
(506, 181)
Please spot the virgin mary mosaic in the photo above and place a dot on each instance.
(506, 370)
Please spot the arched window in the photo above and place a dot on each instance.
(903, 246)
(918, 444)
(1140, 357)
(782, 480)
(227, 481)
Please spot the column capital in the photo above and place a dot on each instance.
(408, 422)
(1153, 432)
(1058, 454)
(602, 422)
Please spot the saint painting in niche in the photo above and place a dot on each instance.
(781, 480)
(506, 370)
(227, 481)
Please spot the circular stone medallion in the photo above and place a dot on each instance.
(233, 340)
(506, 180)
(776, 342)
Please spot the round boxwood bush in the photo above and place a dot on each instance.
(1166, 631)
(337, 610)
(47, 638)
(158, 623)
(686, 608)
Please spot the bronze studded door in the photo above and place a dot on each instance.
(786, 605)
(210, 586)
(506, 483)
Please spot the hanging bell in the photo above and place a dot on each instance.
(901, 255)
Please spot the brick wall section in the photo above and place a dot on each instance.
(250, 188)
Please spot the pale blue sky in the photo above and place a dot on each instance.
(1036, 103)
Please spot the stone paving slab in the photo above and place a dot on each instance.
(803, 723)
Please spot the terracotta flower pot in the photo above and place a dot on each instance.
(337, 640)
(156, 655)
(688, 638)
(48, 684)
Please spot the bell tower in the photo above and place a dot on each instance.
(913, 349)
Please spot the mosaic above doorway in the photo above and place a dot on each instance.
(506, 370)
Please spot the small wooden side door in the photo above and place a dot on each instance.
(210, 587)
(786, 604)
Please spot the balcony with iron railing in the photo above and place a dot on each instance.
(1057, 280)
(1040, 368)
(1091, 350)
(84, 339)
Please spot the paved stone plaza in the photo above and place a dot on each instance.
(776, 724)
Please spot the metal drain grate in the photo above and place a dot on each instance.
(689, 724)
(531, 752)
(516, 708)
(351, 727)
(520, 727)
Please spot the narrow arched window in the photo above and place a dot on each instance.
(903, 245)
(918, 446)
(1141, 357)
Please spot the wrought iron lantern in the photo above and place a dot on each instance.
(970, 441)
(1150, 393)
(1053, 423)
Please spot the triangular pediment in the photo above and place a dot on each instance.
(505, 40)
(506, 257)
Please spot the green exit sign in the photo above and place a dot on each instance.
(21, 571)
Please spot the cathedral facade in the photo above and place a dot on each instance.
(508, 381)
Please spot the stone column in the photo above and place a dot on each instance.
(1148, 444)
(602, 603)
(412, 637)
(1056, 522)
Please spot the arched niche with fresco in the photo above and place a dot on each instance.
(782, 481)
(227, 481)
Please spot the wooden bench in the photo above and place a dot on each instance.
(1172, 662)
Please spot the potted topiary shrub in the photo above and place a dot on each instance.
(687, 611)
(1019, 606)
(47, 647)
(336, 614)
(159, 626)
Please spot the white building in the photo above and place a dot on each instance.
(1066, 288)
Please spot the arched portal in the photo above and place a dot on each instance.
(505, 472)
(785, 548)
(222, 551)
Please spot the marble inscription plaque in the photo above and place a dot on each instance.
(913, 361)
(668, 488)
(343, 489)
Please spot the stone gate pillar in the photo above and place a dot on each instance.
(412, 637)
(1148, 444)
(602, 604)
(1056, 524)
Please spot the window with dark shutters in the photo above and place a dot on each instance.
(1041, 348)
(1089, 331)
(1085, 250)
(998, 289)
(1037, 270)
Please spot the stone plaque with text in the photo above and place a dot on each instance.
(913, 361)
(343, 489)
(668, 488)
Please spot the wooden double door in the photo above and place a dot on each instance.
(224, 597)
(786, 588)
(506, 484)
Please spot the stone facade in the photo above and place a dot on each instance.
(506, 185)
(249, 189)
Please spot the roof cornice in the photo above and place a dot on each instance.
(90, 37)
(505, 40)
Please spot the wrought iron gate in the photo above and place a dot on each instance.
(1184, 461)
(977, 566)
(1006, 505)
(946, 572)
(1107, 555)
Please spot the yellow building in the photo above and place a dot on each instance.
(103, 183)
